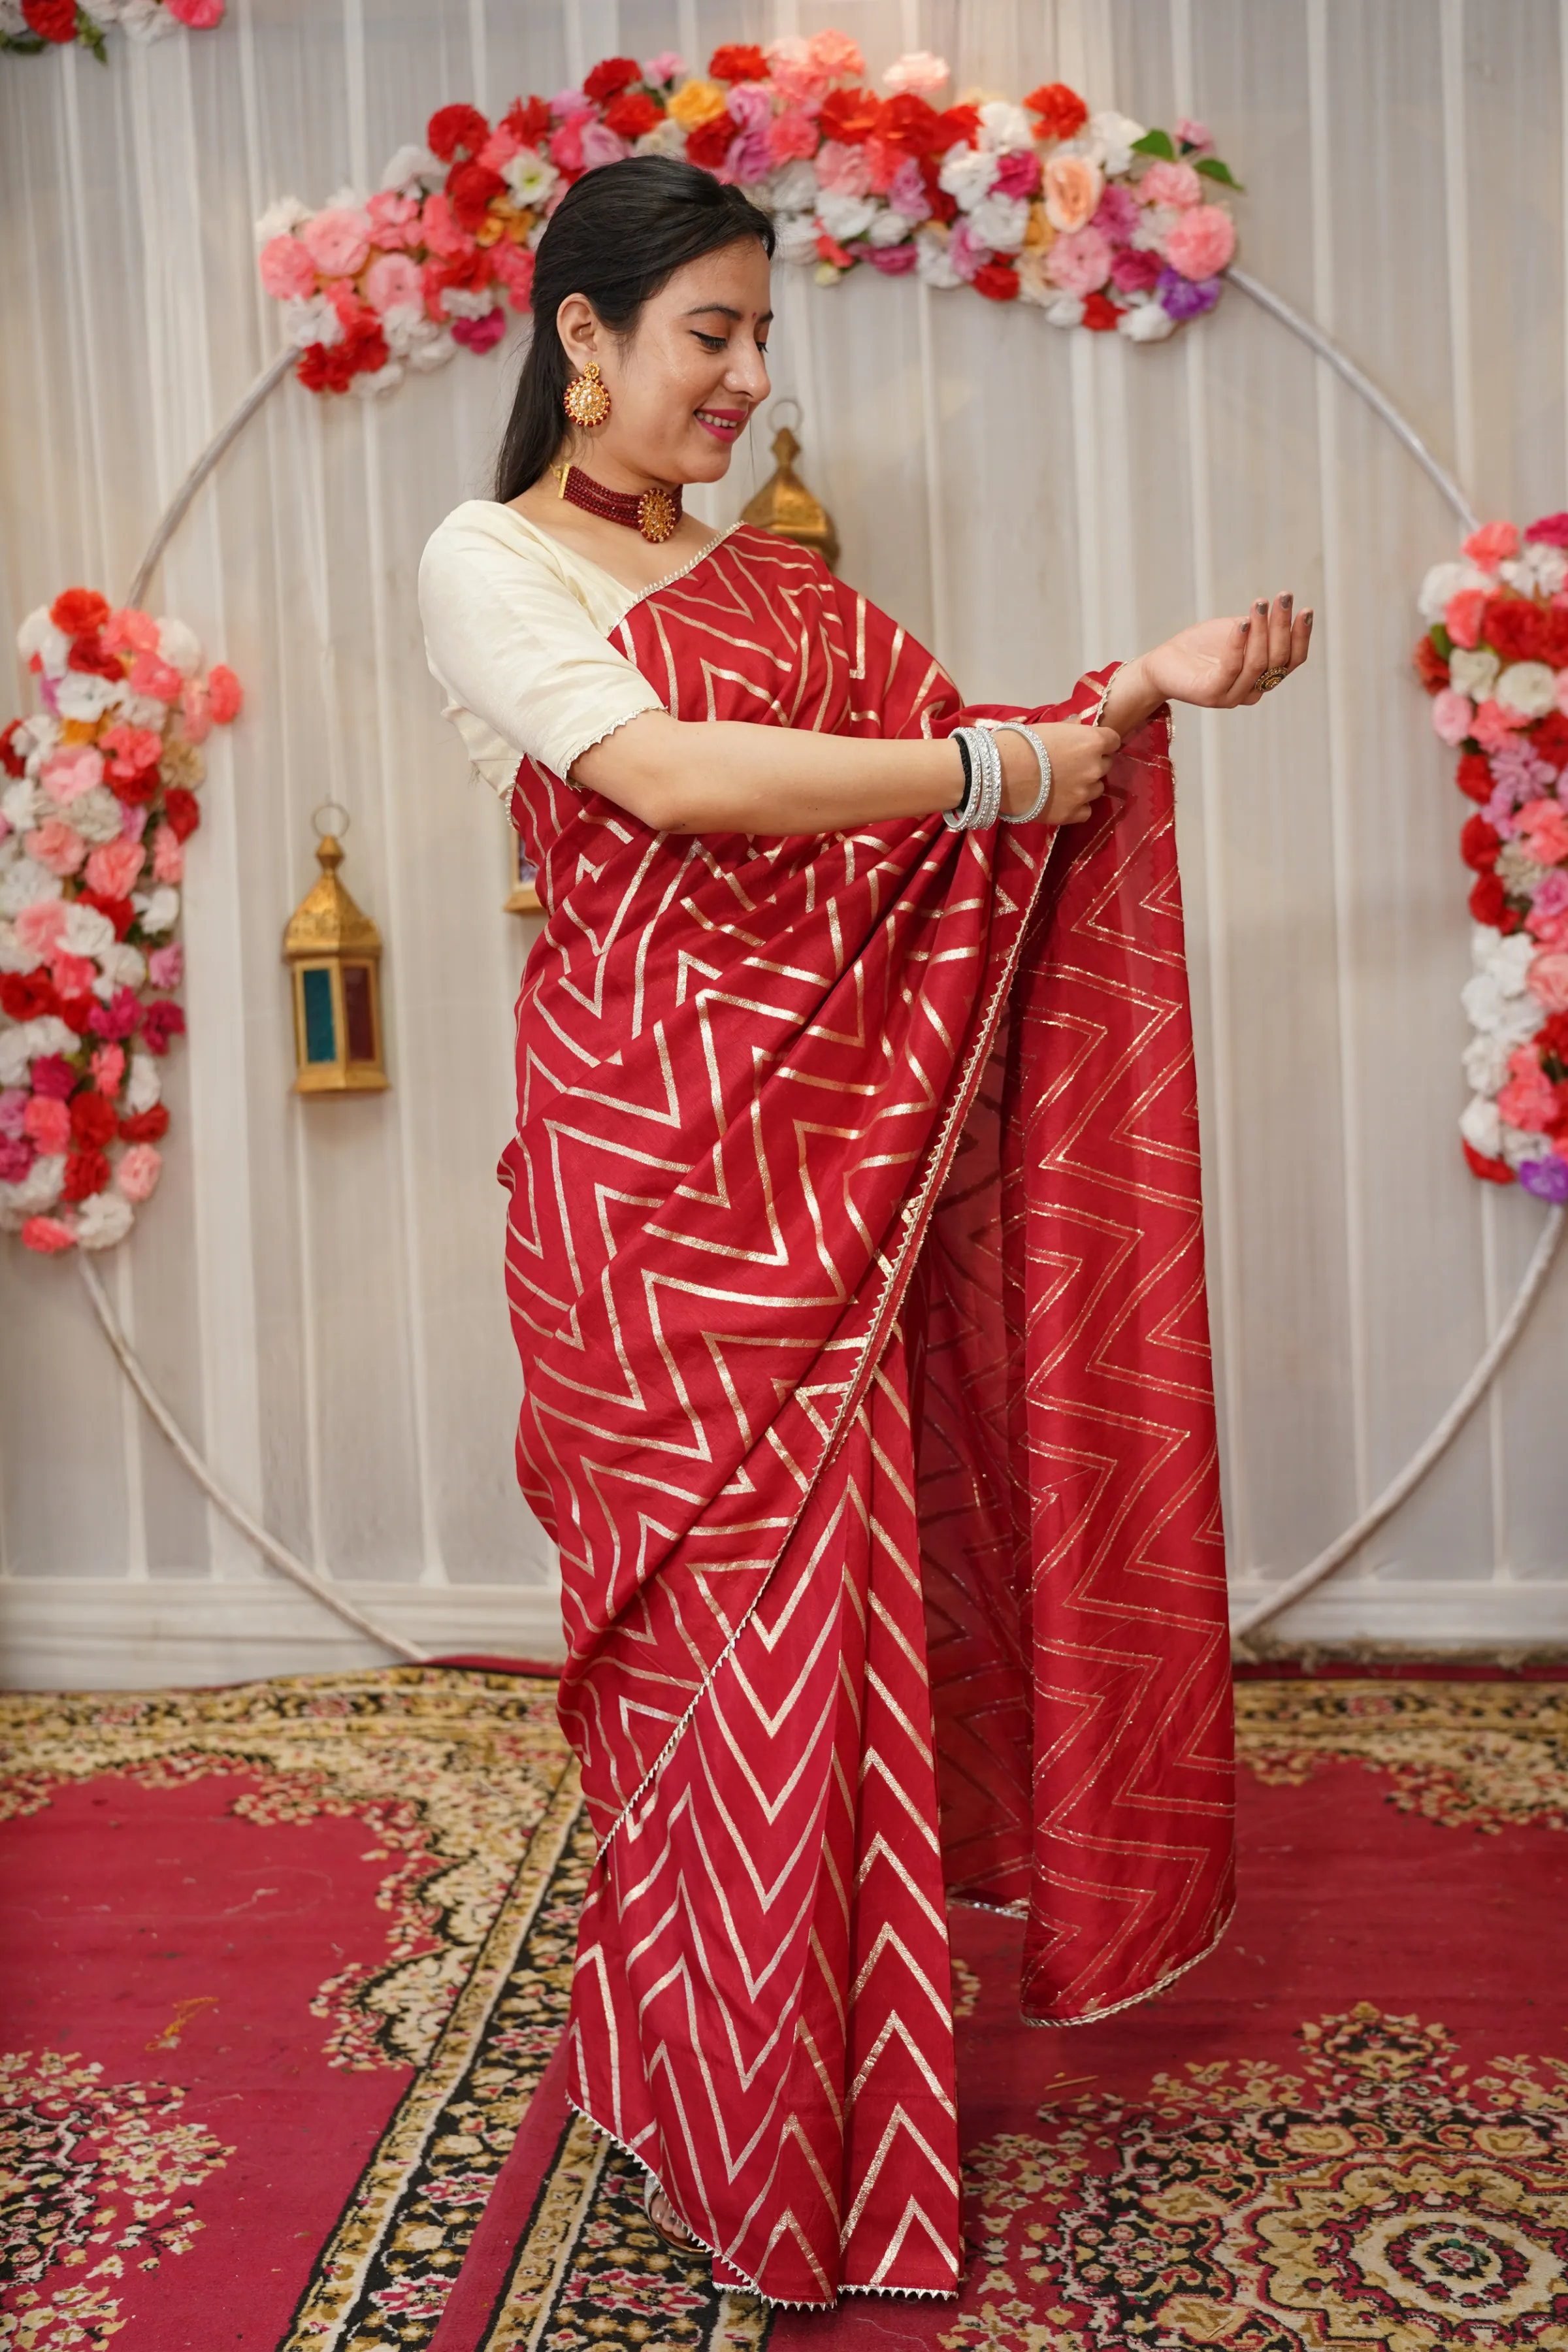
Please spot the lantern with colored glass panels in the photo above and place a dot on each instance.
(333, 952)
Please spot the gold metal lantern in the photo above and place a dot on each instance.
(333, 953)
(785, 506)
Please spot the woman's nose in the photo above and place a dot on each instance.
(749, 374)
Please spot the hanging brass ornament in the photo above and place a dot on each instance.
(785, 506)
(333, 952)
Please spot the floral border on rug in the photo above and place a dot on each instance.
(98, 801)
(29, 28)
(1495, 660)
(1097, 220)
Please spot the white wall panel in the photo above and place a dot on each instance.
(317, 1287)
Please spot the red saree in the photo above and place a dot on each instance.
(855, 1259)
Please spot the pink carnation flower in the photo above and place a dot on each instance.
(1196, 135)
(393, 220)
(1201, 242)
(39, 927)
(139, 1171)
(393, 279)
(201, 15)
(835, 55)
(602, 146)
(919, 71)
(1017, 175)
(337, 240)
(1551, 531)
(1080, 262)
(165, 968)
(499, 147)
(46, 1122)
(794, 73)
(1116, 215)
(565, 151)
(480, 334)
(16, 1156)
(968, 253)
(168, 855)
(1547, 981)
(1495, 725)
(195, 710)
(750, 159)
(57, 846)
(750, 106)
(1172, 184)
(225, 693)
(892, 260)
(514, 268)
(1543, 824)
(53, 1076)
(129, 631)
(1529, 1099)
(661, 71)
(155, 677)
(843, 171)
(1493, 545)
(13, 1103)
(108, 1068)
(74, 769)
(1451, 715)
(791, 135)
(287, 269)
(444, 232)
(1462, 616)
(47, 1235)
(113, 867)
(73, 975)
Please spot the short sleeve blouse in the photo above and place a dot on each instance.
(515, 630)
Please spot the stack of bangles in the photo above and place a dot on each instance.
(981, 804)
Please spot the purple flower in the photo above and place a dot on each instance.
(1117, 214)
(1186, 298)
(480, 334)
(1547, 1179)
(1516, 765)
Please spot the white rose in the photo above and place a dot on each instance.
(1496, 1013)
(1000, 221)
(933, 265)
(1146, 322)
(1473, 672)
(890, 228)
(103, 1219)
(530, 177)
(144, 1087)
(797, 235)
(1443, 583)
(1508, 956)
(1528, 686)
(280, 219)
(177, 643)
(1113, 134)
(38, 1190)
(1485, 1064)
(24, 883)
(1536, 570)
(1004, 125)
(1480, 1125)
(86, 932)
(159, 911)
(967, 175)
(412, 168)
(792, 188)
(81, 696)
(97, 815)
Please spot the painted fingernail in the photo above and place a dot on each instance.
(1287, 602)
(1261, 606)
(1307, 616)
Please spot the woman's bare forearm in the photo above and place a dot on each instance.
(732, 776)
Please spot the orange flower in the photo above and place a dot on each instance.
(1073, 189)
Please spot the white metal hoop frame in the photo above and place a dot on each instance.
(1245, 1622)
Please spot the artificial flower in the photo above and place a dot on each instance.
(1073, 189)
(1171, 183)
(919, 74)
(1452, 714)
(139, 1171)
(1080, 262)
(1062, 113)
(1201, 241)
(1492, 543)
(697, 102)
(1472, 672)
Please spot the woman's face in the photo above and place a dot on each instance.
(682, 388)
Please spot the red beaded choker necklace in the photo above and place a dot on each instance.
(656, 513)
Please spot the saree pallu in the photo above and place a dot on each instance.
(854, 1260)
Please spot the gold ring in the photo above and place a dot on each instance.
(1270, 677)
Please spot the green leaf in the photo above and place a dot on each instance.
(1213, 169)
(1442, 640)
(91, 36)
(1155, 142)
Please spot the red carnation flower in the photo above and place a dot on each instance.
(1494, 1171)
(1551, 1039)
(120, 912)
(76, 612)
(632, 115)
(86, 1172)
(28, 995)
(1101, 314)
(161, 1021)
(942, 206)
(52, 20)
(135, 788)
(1488, 900)
(1520, 630)
(958, 122)
(1480, 843)
(1430, 668)
(850, 116)
(528, 119)
(1549, 740)
(737, 61)
(1060, 109)
(908, 123)
(454, 127)
(1474, 777)
(182, 812)
(11, 759)
(470, 187)
(93, 1122)
(92, 656)
(610, 75)
(77, 1011)
(146, 1126)
(332, 368)
(709, 142)
(998, 280)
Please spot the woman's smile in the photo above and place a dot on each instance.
(724, 423)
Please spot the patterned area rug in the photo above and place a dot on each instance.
(283, 1969)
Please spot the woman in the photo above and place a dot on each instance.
(854, 1263)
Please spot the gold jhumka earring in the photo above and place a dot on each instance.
(586, 400)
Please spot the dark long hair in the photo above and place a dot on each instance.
(618, 234)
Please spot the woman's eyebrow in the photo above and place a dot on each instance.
(723, 310)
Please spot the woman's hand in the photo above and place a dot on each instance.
(1214, 664)
(1080, 758)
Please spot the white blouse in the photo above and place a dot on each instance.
(515, 629)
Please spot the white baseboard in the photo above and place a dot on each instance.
(98, 1634)
(1429, 1616)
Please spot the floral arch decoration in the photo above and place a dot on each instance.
(1098, 221)
(29, 28)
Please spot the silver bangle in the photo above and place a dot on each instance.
(982, 801)
(990, 807)
(1041, 801)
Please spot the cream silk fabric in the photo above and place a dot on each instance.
(515, 628)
